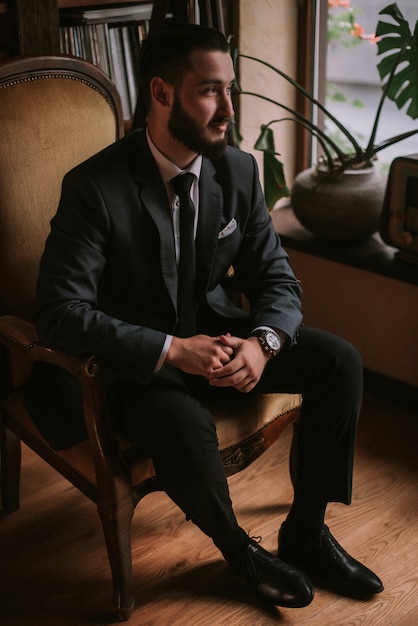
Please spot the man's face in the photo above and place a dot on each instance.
(202, 107)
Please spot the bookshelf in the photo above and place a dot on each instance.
(30, 27)
(42, 27)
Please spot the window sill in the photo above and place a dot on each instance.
(372, 255)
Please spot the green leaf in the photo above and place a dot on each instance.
(393, 11)
(400, 68)
(235, 136)
(274, 181)
(265, 142)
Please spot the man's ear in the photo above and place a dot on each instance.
(160, 91)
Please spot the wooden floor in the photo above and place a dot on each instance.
(54, 570)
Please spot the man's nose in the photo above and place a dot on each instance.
(226, 107)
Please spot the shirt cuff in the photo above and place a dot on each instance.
(164, 351)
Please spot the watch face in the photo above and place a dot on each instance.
(272, 341)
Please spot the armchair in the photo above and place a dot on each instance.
(54, 113)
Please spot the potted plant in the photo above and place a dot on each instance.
(345, 184)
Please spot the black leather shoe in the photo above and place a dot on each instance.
(272, 579)
(327, 563)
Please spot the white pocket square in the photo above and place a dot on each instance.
(229, 228)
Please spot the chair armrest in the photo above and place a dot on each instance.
(20, 337)
(16, 330)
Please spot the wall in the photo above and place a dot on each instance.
(375, 313)
(268, 31)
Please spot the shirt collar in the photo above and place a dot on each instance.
(167, 168)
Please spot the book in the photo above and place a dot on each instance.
(109, 38)
(117, 71)
(111, 14)
(128, 44)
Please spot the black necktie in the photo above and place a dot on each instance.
(187, 265)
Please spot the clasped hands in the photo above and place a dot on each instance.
(225, 361)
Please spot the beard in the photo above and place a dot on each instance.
(183, 128)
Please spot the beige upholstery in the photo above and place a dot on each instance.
(37, 148)
(54, 113)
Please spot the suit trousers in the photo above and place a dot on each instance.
(167, 421)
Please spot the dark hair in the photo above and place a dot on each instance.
(166, 53)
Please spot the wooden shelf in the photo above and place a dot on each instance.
(71, 4)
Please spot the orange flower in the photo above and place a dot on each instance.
(373, 38)
(345, 4)
(357, 31)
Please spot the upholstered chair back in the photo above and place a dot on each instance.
(50, 120)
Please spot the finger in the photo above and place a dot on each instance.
(227, 371)
(224, 360)
(229, 340)
(246, 385)
(236, 379)
(247, 388)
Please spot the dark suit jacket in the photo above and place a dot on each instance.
(108, 276)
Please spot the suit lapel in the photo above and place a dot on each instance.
(210, 214)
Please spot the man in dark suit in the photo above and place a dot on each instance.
(109, 284)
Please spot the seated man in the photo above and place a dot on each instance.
(123, 278)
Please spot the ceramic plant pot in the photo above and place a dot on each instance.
(339, 206)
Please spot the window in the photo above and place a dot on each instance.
(348, 78)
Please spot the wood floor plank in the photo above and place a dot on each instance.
(54, 569)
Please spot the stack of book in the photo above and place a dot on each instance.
(109, 38)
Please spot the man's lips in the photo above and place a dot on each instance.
(220, 124)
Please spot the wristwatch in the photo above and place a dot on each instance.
(269, 339)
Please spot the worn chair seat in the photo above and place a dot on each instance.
(244, 431)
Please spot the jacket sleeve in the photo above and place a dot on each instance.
(262, 269)
(68, 316)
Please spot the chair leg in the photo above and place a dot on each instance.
(10, 453)
(116, 517)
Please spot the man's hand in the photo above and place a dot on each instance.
(245, 369)
(200, 355)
